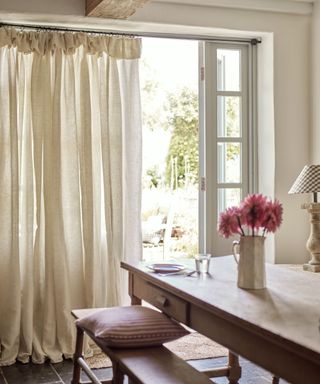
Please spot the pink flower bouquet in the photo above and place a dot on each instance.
(256, 212)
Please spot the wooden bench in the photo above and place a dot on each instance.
(141, 365)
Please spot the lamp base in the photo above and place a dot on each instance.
(311, 267)
(313, 243)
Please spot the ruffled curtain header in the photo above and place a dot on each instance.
(42, 42)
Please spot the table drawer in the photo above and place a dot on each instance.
(170, 304)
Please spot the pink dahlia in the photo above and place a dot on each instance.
(273, 216)
(229, 222)
(253, 210)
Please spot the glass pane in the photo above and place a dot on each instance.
(229, 162)
(228, 115)
(228, 197)
(228, 70)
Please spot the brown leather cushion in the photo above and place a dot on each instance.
(131, 327)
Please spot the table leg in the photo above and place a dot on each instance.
(134, 300)
(234, 368)
(118, 375)
(78, 353)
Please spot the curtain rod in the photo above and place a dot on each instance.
(253, 41)
(63, 29)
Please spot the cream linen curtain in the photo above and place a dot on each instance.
(70, 173)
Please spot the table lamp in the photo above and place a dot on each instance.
(309, 182)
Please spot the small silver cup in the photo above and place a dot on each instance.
(202, 261)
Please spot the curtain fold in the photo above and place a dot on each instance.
(70, 173)
(44, 42)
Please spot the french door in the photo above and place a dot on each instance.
(227, 137)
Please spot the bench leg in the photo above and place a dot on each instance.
(234, 368)
(78, 353)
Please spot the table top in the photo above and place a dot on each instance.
(288, 309)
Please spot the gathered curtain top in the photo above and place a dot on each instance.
(42, 42)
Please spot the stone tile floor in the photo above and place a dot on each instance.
(62, 373)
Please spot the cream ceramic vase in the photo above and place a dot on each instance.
(249, 254)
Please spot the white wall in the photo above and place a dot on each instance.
(315, 137)
(292, 53)
(65, 7)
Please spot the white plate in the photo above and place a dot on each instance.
(166, 267)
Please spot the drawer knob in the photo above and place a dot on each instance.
(163, 301)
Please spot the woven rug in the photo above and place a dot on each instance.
(191, 347)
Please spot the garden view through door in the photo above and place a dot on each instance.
(169, 92)
(174, 101)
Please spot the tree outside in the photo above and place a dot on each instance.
(182, 162)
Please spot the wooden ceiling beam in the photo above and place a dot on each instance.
(113, 9)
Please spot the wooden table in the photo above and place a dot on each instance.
(276, 328)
